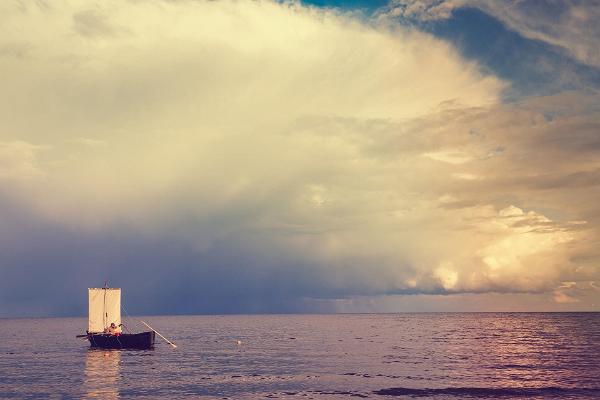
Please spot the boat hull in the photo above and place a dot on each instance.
(143, 340)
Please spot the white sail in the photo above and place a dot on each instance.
(104, 308)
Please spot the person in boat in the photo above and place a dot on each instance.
(113, 329)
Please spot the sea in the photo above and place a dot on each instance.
(341, 356)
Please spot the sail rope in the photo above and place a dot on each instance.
(129, 317)
(158, 333)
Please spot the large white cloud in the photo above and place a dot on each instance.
(377, 156)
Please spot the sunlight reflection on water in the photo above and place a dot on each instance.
(102, 373)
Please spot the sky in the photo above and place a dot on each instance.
(300, 157)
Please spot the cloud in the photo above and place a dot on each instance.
(569, 25)
(93, 23)
(18, 161)
(260, 156)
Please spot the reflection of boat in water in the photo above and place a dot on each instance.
(104, 323)
(102, 374)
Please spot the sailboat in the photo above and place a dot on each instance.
(104, 322)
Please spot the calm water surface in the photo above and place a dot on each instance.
(392, 356)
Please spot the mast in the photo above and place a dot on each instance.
(104, 313)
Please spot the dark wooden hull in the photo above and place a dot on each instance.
(143, 340)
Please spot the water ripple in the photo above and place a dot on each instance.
(439, 356)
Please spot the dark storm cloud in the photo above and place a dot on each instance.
(47, 267)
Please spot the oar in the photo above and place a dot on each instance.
(158, 333)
